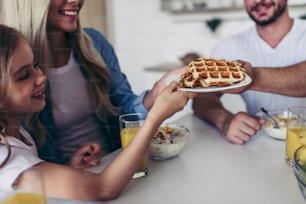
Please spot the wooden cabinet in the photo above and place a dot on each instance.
(93, 14)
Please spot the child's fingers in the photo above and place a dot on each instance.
(173, 86)
(96, 148)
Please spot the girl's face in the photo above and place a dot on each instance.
(63, 15)
(26, 86)
(264, 12)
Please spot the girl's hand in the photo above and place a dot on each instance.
(160, 85)
(87, 156)
(170, 101)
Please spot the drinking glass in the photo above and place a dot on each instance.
(129, 125)
(296, 132)
(299, 168)
(28, 188)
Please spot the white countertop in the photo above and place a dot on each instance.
(210, 170)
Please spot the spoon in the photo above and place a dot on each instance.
(276, 125)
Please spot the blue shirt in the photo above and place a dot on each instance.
(121, 96)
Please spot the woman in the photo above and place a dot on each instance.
(87, 88)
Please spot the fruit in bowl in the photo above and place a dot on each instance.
(281, 118)
(168, 141)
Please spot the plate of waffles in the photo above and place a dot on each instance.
(211, 75)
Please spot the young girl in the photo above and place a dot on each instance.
(22, 89)
(87, 87)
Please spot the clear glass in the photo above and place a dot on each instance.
(296, 132)
(299, 168)
(129, 125)
(28, 188)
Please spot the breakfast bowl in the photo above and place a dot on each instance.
(275, 123)
(168, 141)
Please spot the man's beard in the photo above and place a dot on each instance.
(278, 12)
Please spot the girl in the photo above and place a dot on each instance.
(22, 89)
(87, 88)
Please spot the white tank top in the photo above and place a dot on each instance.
(75, 121)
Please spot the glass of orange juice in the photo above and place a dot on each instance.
(296, 132)
(129, 125)
(299, 168)
(28, 188)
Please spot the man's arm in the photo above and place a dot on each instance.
(238, 128)
(288, 81)
(209, 107)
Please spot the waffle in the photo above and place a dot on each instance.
(207, 72)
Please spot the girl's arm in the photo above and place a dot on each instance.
(65, 182)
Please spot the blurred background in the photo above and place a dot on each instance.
(152, 36)
(156, 33)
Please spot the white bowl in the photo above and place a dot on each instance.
(168, 142)
(281, 116)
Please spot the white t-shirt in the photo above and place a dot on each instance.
(22, 157)
(249, 46)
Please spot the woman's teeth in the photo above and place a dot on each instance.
(70, 13)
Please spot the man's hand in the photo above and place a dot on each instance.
(240, 128)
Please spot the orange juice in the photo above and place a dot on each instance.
(127, 135)
(25, 198)
(296, 137)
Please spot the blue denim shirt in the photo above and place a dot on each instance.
(121, 95)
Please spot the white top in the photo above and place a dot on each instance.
(249, 46)
(22, 157)
(75, 121)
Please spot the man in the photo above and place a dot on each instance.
(275, 41)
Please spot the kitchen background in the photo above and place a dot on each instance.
(150, 36)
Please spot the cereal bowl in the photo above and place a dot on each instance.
(281, 117)
(168, 142)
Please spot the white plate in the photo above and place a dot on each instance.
(247, 80)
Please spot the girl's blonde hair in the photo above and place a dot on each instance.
(9, 41)
(30, 17)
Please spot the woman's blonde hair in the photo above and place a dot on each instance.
(9, 41)
(30, 17)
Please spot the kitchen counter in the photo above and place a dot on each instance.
(211, 170)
